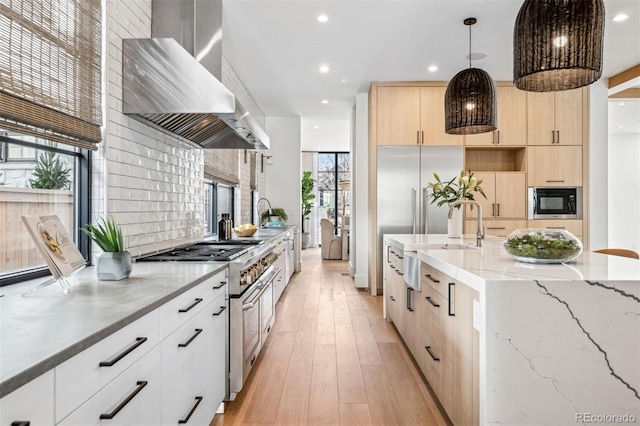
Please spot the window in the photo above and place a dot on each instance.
(334, 174)
(52, 180)
(218, 200)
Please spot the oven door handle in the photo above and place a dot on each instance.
(264, 288)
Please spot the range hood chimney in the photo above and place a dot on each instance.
(172, 80)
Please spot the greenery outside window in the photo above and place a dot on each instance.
(56, 182)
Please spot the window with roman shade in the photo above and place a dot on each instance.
(50, 69)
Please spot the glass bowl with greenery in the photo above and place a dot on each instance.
(542, 245)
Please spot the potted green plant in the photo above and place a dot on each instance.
(307, 196)
(115, 263)
(275, 214)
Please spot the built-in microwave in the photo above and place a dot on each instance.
(555, 203)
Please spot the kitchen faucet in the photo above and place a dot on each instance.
(480, 233)
(262, 211)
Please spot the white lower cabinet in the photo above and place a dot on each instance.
(168, 367)
(132, 398)
(31, 404)
(81, 376)
(195, 353)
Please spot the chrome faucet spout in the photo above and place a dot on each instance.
(480, 233)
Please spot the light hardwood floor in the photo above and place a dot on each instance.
(331, 359)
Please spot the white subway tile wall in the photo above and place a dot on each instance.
(148, 181)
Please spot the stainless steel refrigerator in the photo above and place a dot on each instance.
(403, 206)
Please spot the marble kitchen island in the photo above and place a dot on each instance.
(558, 344)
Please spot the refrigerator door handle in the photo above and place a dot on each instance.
(414, 194)
(423, 216)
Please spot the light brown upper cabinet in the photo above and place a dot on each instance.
(407, 115)
(512, 120)
(432, 118)
(554, 165)
(555, 118)
(398, 115)
(506, 196)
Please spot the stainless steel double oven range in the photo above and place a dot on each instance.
(251, 297)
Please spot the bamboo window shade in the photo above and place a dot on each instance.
(221, 165)
(50, 69)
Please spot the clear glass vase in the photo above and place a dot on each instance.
(454, 223)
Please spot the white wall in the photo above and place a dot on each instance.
(283, 176)
(325, 134)
(598, 176)
(624, 192)
(360, 192)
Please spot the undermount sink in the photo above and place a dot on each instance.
(454, 246)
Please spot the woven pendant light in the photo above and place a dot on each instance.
(470, 100)
(557, 44)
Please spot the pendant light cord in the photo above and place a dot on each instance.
(469, 46)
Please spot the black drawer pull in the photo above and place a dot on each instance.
(21, 423)
(496, 227)
(398, 272)
(392, 267)
(432, 279)
(451, 312)
(393, 299)
(141, 384)
(253, 360)
(138, 342)
(556, 227)
(185, 344)
(193, 409)
(222, 308)
(222, 284)
(428, 348)
(428, 298)
(191, 306)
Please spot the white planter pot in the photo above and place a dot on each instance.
(114, 266)
(306, 239)
(454, 223)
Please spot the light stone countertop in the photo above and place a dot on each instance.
(556, 342)
(41, 330)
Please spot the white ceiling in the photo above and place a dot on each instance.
(276, 47)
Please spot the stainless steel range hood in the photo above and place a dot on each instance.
(166, 86)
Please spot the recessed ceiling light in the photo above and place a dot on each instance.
(433, 68)
(621, 104)
(620, 127)
(344, 80)
(620, 17)
(324, 101)
(324, 69)
(323, 18)
(316, 127)
(240, 128)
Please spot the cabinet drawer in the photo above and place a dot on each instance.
(436, 319)
(197, 408)
(185, 357)
(435, 279)
(176, 312)
(32, 402)
(132, 398)
(496, 228)
(218, 284)
(438, 370)
(80, 377)
(573, 226)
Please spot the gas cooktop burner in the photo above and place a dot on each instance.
(205, 251)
